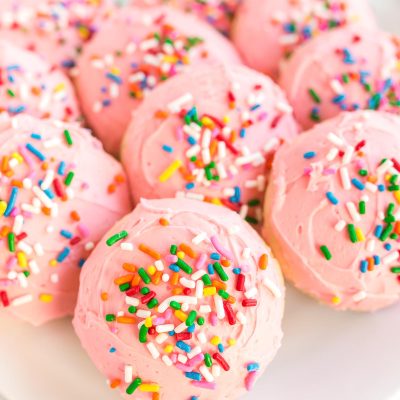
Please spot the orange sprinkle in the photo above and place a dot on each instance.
(5, 230)
(371, 264)
(372, 179)
(156, 278)
(46, 211)
(175, 278)
(75, 216)
(104, 296)
(219, 285)
(123, 279)
(18, 183)
(126, 320)
(177, 291)
(129, 267)
(161, 114)
(4, 164)
(188, 250)
(225, 263)
(263, 261)
(119, 178)
(136, 280)
(156, 396)
(213, 147)
(149, 251)
(115, 383)
(111, 188)
(164, 222)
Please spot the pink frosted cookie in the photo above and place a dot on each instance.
(267, 31)
(347, 69)
(132, 54)
(181, 300)
(29, 85)
(340, 242)
(55, 29)
(59, 192)
(209, 134)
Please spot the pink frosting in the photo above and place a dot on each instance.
(340, 208)
(30, 85)
(253, 338)
(338, 66)
(96, 194)
(249, 118)
(124, 62)
(55, 29)
(263, 29)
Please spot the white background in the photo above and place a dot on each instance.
(326, 355)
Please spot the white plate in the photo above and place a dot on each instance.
(326, 355)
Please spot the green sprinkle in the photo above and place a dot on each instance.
(11, 242)
(133, 386)
(223, 294)
(394, 236)
(326, 252)
(132, 309)
(361, 207)
(220, 271)
(386, 232)
(117, 237)
(208, 360)
(68, 137)
(201, 321)
(390, 209)
(254, 203)
(110, 317)
(363, 172)
(173, 249)
(208, 172)
(143, 333)
(152, 303)
(26, 273)
(183, 266)
(144, 290)
(352, 233)
(144, 275)
(206, 279)
(191, 318)
(10, 93)
(175, 305)
(396, 270)
(314, 96)
(69, 178)
(124, 287)
(252, 220)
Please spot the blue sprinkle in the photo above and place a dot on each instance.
(364, 266)
(190, 186)
(194, 398)
(358, 184)
(66, 234)
(63, 255)
(195, 376)
(237, 271)
(388, 246)
(61, 168)
(171, 333)
(255, 107)
(210, 269)
(35, 152)
(221, 348)
(81, 262)
(192, 140)
(191, 328)
(36, 136)
(339, 99)
(114, 78)
(106, 102)
(309, 154)
(167, 148)
(113, 350)
(174, 268)
(68, 64)
(11, 201)
(215, 256)
(378, 231)
(377, 260)
(48, 192)
(348, 57)
(331, 197)
(242, 133)
(17, 110)
(183, 346)
(381, 187)
(253, 367)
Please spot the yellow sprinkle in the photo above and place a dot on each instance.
(53, 263)
(209, 291)
(231, 342)
(60, 87)
(46, 298)
(180, 315)
(397, 196)
(336, 300)
(216, 201)
(226, 119)
(209, 123)
(170, 59)
(181, 255)
(149, 387)
(388, 177)
(216, 340)
(18, 157)
(360, 235)
(148, 323)
(115, 71)
(168, 349)
(167, 174)
(3, 207)
(151, 270)
(22, 261)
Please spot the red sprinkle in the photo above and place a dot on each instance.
(187, 292)
(240, 282)
(4, 298)
(147, 297)
(183, 336)
(229, 313)
(75, 240)
(22, 236)
(360, 145)
(249, 302)
(221, 361)
(132, 291)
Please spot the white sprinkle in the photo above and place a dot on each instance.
(165, 278)
(179, 299)
(219, 306)
(284, 107)
(199, 238)
(199, 289)
(42, 197)
(271, 145)
(180, 328)
(336, 86)
(206, 373)
(198, 274)
(201, 337)
(273, 288)
(18, 224)
(391, 257)
(185, 307)
(33, 266)
(195, 352)
(167, 361)
(128, 373)
(165, 328)
(54, 278)
(23, 246)
(19, 301)
(361, 295)
(38, 249)
(48, 180)
(89, 246)
(160, 339)
(371, 245)
(332, 154)
(143, 313)
(27, 183)
(384, 167)
(55, 142)
(344, 175)
(187, 283)
(244, 210)
(371, 187)
(153, 350)
(182, 358)
(351, 208)
(241, 318)
(159, 265)
(334, 139)
(22, 280)
(340, 225)
(126, 246)
(205, 309)
(348, 155)
(132, 301)
(216, 370)
(251, 293)
(176, 105)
